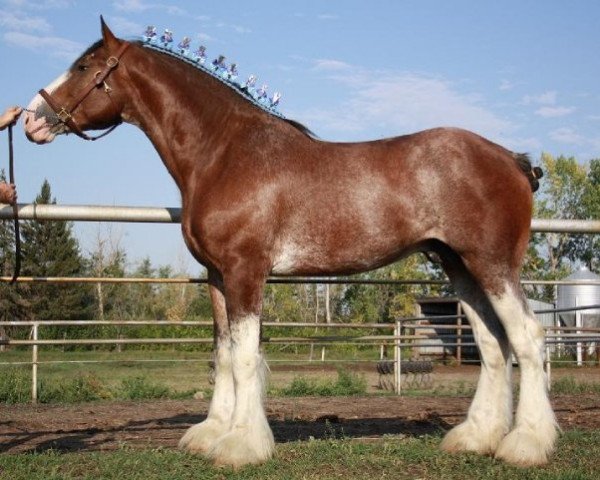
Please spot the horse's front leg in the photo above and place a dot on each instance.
(249, 439)
(203, 436)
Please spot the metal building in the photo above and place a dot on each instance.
(580, 295)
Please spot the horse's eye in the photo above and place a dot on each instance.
(82, 68)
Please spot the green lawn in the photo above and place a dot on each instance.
(390, 457)
(188, 372)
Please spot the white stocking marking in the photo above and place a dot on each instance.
(534, 434)
(203, 436)
(250, 439)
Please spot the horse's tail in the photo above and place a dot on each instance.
(532, 173)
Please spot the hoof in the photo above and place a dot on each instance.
(202, 437)
(243, 446)
(525, 447)
(467, 437)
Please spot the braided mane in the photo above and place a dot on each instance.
(234, 86)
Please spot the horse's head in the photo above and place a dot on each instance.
(86, 97)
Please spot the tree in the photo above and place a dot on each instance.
(51, 250)
(13, 298)
(561, 195)
(142, 296)
(175, 301)
(569, 190)
(385, 303)
(588, 249)
(289, 303)
(108, 259)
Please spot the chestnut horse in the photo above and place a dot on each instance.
(257, 195)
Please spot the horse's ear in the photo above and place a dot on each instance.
(110, 41)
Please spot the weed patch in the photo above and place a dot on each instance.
(346, 384)
(15, 386)
(570, 386)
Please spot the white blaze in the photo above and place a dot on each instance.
(37, 126)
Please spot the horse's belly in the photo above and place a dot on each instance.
(344, 258)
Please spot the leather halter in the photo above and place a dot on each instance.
(65, 114)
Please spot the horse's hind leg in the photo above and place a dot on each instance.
(203, 436)
(490, 414)
(534, 434)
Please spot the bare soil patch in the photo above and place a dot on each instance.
(110, 425)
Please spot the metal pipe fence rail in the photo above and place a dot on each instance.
(106, 213)
(397, 340)
(274, 281)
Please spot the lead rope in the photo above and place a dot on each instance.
(11, 176)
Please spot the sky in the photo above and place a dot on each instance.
(522, 73)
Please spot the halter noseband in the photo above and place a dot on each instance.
(64, 114)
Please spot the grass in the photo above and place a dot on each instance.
(178, 370)
(66, 377)
(346, 384)
(15, 387)
(389, 457)
(75, 376)
(570, 386)
(189, 372)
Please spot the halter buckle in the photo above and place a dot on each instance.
(63, 115)
(112, 62)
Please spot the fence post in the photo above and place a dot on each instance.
(34, 365)
(397, 358)
(459, 335)
(578, 325)
(548, 368)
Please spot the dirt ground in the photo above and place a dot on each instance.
(110, 425)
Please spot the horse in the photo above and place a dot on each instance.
(262, 196)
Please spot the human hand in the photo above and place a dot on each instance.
(9, 117)
(8, 193)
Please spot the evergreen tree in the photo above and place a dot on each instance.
(13, 298)
(51, 250)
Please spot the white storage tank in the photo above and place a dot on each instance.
(547, 319)
(571, 296)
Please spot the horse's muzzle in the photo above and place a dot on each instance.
(40, 122)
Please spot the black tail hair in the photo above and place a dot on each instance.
(532, 173)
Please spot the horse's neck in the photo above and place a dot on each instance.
(183, 114)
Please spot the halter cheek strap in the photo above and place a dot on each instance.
(65, 115)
